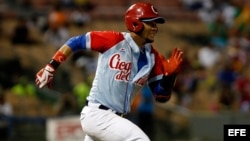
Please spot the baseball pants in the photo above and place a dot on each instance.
(105, 125)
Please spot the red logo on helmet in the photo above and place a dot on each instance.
(154, 10)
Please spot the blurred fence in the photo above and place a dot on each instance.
(202, 127)
(22, 128)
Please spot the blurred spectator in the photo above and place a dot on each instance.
(56, 17)
(56, 37)
(25, 3)
(5, 107)
(21, 33)
(5, 120)
(67, 105)
(1, 24)
(10, 70)
(208, 13)
(186, 85)
(80, 17)
(219, 32)
(242, 85)
(237, 55)
(81, 14)
(24, 88)
(57, 31)
(242, 20)
(208, 56)
(63, 80)
(85, 4)
(85, 60)
(193, 4)
(39, 22)
(228, 13)
(219, 16)
(81, 91)
(66, 3)
(187, 81)
(226, 79)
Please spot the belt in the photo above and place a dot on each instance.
(103, 107)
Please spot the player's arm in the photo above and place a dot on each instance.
(162, 89)
(45, 76)
(96, 41)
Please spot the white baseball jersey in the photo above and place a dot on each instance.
(122, 67)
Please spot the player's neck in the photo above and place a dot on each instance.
(138, 40)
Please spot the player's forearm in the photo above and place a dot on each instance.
(66, 50)
(163, 88)
(60, 56)
(45, 76)
(167, 82)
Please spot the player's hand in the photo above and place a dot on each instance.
(45, 76)
(172, 64)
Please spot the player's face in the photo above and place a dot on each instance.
(149, 31)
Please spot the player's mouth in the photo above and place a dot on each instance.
(152, 35)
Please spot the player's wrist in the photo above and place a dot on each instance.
(57, 59)
(49, 68)
(53, 63)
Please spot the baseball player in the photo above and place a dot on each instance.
(127, 61)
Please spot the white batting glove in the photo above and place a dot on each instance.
(45, 76)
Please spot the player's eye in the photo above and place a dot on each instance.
(151, 24)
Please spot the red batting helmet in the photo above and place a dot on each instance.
(141, 12)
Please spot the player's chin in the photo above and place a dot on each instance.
(150, 40)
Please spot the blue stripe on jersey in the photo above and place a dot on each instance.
(142, 59)
(76, 43)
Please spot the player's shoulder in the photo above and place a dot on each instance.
(111, 34)
(105, 40)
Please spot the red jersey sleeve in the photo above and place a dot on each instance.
(158, 68)
(103, 40)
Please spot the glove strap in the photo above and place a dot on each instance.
(57, 59)
(54, 63)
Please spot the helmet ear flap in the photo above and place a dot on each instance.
(137, 25)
